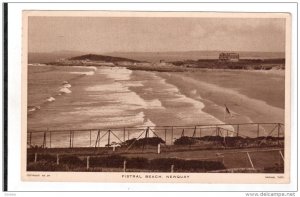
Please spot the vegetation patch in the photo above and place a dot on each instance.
(74, 163)
(46, 166)
(151, 141)
(71, 160)
(41, 157)
(230, 141)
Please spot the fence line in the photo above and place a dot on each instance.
(85, 137)
(249, 159)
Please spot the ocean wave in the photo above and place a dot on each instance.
(130, 100)
(87, 67)
(37, 64)
(116, 73)
(84, 73)
(133, 83)
(67, 85)
(33, 108)
(111, 110)
(111, 87)
(50, 99)
(65, 90)
(116, 121)
(155, 103)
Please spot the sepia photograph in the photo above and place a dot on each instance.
(167, 97)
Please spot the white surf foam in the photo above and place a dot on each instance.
(33, 108)
(65, 90)
(37, 64)
(116, 73)
(67, 85)
(84, 73)
(50, 99)
(154, 104)
(87, 67)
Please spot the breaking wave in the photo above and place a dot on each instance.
(50, 99)
(84, 73)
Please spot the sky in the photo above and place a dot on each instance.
(140, 34)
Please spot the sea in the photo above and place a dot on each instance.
(92, 99)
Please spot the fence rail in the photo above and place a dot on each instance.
(47, 138)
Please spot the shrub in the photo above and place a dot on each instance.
(152, 141)
(185, 141)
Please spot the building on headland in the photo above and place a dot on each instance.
(229, 57)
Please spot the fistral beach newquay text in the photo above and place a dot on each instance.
(149, 176)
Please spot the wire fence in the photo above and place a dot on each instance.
(107, 137)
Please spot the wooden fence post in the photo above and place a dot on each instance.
(72, 139)
(281, 155)
(44, 140)
(172, 168)
(90, 138)
(30, 135)
(99, 142)
(124, 166)
(124, 135)
(278, 134)
(158, 148)
(57, 159)
(108, 138)
(194, 134)
(50, 139)
(87, 162)
(35, 157)
(172, 136)
(98, 139)
(70, 145)
(223, 160)
(250, 160)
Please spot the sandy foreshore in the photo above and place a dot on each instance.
(243, 108)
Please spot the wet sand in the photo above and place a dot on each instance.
(243, 108)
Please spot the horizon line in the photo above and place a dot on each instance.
(94, 52)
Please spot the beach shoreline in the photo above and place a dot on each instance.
(243, 109)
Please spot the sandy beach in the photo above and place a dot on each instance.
(244, 107)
